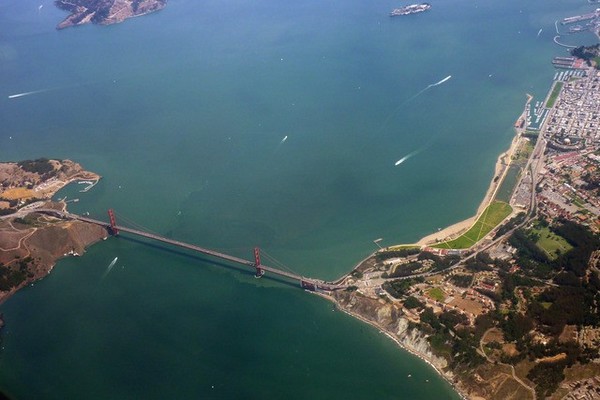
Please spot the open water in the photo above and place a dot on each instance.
(184, 112)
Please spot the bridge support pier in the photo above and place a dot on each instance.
(308, 285)
(259, 271)
(114, 230)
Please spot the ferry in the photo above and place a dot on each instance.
(411, 9)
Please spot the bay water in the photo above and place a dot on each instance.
(239, 124)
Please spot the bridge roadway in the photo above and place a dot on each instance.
(289, 275)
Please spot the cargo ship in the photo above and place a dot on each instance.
(411, 9)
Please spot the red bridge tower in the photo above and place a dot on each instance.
(259, 271)
(114, 230)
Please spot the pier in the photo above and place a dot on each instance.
(562, 44)
(579, 18)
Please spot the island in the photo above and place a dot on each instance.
(105, 12)
(32, 242)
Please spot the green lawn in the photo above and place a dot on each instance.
(489, 219)
(551, 243)
(437, 294)
(555, 91)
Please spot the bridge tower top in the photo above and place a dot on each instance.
(114, 230)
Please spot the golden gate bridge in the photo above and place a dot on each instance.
(256, 265)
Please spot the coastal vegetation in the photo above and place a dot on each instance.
(587, 53)
(494, 213)
(397, 252)
(39, 166)
(398, 288)
(554, 95)
(11, 277)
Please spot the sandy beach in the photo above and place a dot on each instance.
(448, 233)
(500, 171)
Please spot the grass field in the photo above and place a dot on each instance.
(552, 99)
(437, 294)
(488, 220)
(551, 243)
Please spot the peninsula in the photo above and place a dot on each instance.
(31, 243)
(505, 304)
(105, 12)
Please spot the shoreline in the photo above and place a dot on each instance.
(392, 336)
(78, 236)
(4, 296)
(500, 170)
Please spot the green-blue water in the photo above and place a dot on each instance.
(184, 112)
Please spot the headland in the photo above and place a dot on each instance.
(31, 243)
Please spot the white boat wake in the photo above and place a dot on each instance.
(16, 96)
(110, 267)
(539, 33)
(409, 155)
(52, 89)
(281, 142)
(446, 79)
(421, 149)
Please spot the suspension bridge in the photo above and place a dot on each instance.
(256, 265)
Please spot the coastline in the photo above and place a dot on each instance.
(43, 242)
(500, 170)
(81, 239)
(392, 336)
